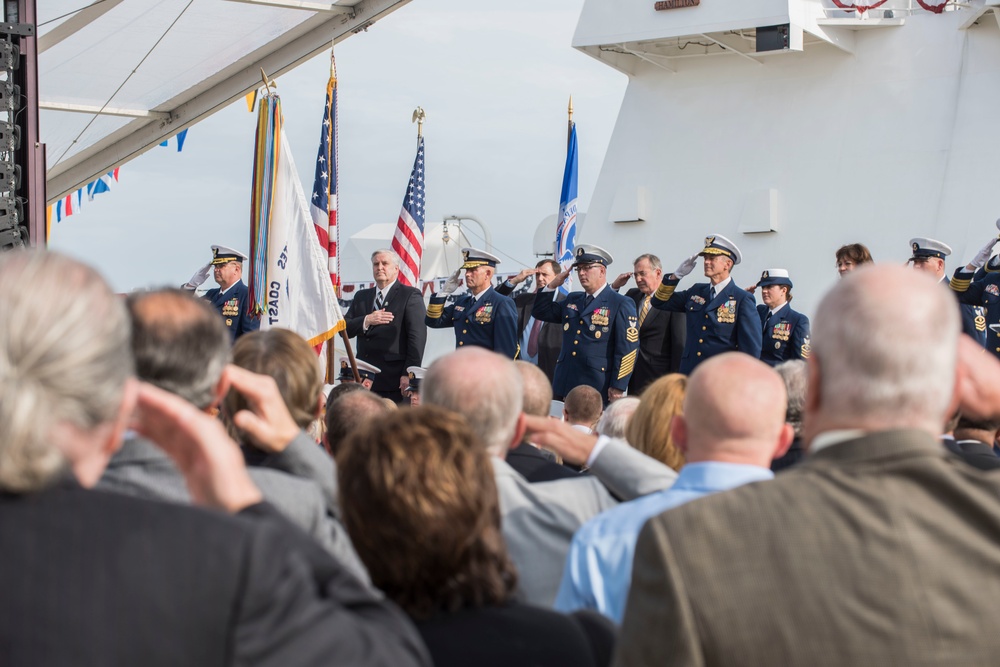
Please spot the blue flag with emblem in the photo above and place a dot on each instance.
(566, 229)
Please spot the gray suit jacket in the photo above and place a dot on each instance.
(883, 550)
(539, 519)
(141, 469)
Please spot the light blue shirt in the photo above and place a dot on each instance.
(598, 568)
(525, 335)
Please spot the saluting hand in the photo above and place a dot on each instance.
(210, 461)
(621, 280)
(686, 267)
(559, 279)
(451, 284)
(979, 261)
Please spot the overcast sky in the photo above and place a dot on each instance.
(494, 80)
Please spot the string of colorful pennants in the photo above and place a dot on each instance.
(65, 207)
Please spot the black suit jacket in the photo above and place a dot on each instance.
(549, 336)
(518, 634)
(95, 578)
(391, 347)
(974, 452)
(535, 466)
(661, 344)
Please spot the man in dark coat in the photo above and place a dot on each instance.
(232, 297)
(600, 333)
(388, 321)
(540, 341)
(721, 317)
(661, 333)
(483, 317)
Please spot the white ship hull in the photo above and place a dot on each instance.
(871, 135)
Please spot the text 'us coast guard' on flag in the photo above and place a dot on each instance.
(300, 295)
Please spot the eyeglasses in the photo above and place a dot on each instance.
(580, 268)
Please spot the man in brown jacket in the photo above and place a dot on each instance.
(879, 549)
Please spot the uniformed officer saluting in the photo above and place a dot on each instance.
(232, 297)
(721, 317)
(785, 331)
(482, 317)
(600, 331)
(983, 292)
(929, 256)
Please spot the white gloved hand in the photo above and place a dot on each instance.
(686, 267)
(979, 261)
(451, 284)
(199, 277)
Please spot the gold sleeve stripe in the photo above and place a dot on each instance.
(435, 310)
(628, 363)
(664, 291)
(960, 284)
(517, 353)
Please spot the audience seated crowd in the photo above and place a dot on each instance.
(168, 497)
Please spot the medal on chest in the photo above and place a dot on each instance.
(231, 308)
(600, 317)
(484, 314)
(727, 312)
(781, 331)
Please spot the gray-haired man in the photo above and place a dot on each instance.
(388, 321)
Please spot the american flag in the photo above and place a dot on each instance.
(408, 241)
(323, 206)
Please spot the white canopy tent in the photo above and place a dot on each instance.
(117, 77)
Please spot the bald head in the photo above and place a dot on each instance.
(482, 386)
(734, 411)
(537, 398)
(884, 351)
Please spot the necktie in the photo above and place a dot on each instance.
(711, 293)
(533, 338)
(589, 300)
(766, 319)
(379, 300)
(644, 310)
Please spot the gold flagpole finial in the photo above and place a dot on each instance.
(333, 61)
(570, 108)
(267, 82)
(418, 117)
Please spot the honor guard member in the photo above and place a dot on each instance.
(785, 332)
(976, 287)
(232, 297)
(482, 317)
(367, 371)
(600, 328)
(721, 317)
(929, 256)
(412, 391)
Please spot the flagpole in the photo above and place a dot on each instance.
(330, 368)
(569, 128)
